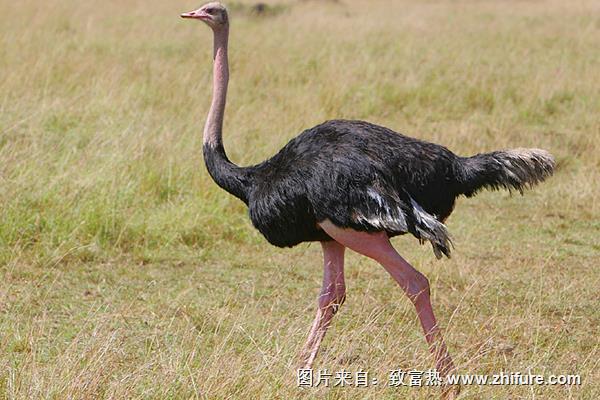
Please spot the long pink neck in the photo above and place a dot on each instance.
(213, 129)
(236, 180)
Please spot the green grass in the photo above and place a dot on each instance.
(126, 273)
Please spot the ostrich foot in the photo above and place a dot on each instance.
(450, 392)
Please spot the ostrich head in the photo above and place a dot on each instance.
(214, 14)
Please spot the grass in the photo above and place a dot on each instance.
(126, 273)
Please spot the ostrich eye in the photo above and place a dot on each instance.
(210, 11)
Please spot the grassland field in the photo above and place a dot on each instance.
(126, 273)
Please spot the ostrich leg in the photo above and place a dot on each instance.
(416, 286)
(333, 294)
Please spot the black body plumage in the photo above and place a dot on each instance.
(369, 178)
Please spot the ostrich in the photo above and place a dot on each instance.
(353, 184)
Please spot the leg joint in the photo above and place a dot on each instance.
(418, 287)
(332, 298)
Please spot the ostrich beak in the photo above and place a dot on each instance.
(197, 14)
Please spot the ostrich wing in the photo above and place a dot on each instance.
(367, 202)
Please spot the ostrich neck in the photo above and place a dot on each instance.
(213, 129)
(227, 175)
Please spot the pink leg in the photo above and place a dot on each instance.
(416, 286)
(333, 294)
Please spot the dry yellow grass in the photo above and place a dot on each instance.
(126, 273)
